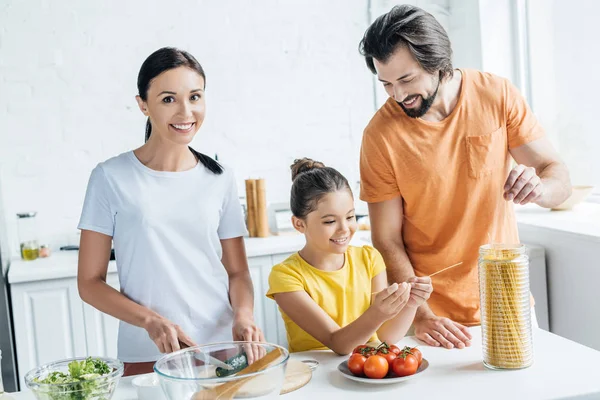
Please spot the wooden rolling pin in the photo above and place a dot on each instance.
(251, 206)
(227, 390)
(262, 220)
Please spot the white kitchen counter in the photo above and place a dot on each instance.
(571, 240)
(63, 264)
(582, 220)
(562, 369)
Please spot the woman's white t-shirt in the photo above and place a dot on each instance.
(166, 229)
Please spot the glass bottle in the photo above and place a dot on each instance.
(30, 249)
(505, 306)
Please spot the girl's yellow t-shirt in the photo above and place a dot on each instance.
(344, 294)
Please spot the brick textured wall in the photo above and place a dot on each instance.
(284, 80)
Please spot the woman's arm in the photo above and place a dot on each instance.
(241, 290)
(302, 309)
(94, 254)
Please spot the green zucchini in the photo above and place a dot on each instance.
(238, 362)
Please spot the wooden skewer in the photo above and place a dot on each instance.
(435, 273)
(442, 270)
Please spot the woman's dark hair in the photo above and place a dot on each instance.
(163, 60)
(311, 181)
(414, 28)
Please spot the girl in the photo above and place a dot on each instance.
(176, 223)
(333, 295)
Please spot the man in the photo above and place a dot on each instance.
(435, 167)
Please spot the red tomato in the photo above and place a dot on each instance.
(405, 364)
(395, 349)
(376, 367)
(388, 355)
(356, 364)
(358, 349)
(417, 353)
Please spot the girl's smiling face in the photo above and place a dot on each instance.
(331, 226)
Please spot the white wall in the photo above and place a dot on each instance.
(284, 80)
(564, 87)
(564, 55)
(465, 33)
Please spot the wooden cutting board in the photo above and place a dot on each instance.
(297, 374)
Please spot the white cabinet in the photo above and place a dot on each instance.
(48, 323)
(266, 312)
(264, 316)
(101, 329)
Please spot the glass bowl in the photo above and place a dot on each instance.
(98, 388)
(192, 373)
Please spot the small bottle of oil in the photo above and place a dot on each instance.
(30, 249)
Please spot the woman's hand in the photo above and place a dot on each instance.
(166, 335)
(246, 330)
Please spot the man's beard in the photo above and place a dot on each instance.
(425, 104)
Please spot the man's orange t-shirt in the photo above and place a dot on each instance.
(450, 175)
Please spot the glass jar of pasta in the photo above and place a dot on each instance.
(505, 306)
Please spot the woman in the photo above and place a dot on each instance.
(176, 223)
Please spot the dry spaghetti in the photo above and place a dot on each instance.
(505, 306)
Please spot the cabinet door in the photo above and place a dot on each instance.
(48, 323)
(258, 266)
(279, 324)
(101, 329)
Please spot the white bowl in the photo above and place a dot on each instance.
(148, 387)
(580, 193)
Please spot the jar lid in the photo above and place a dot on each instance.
(30, 214)
(44, 246)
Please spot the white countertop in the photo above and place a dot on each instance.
(583, 220)
(454, 374)
(63, 264)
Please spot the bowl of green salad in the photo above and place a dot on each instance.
(92, 378)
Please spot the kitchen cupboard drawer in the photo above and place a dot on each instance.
(48, 323)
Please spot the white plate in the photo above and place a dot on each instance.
(343, 368)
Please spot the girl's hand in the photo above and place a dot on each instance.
(391, 300)
(245, 329)
(166, 335)
(420, 290)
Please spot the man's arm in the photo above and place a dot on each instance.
(540, 176)
(386, 232)
(387, 218)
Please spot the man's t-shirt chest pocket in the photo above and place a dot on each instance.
(487, 152)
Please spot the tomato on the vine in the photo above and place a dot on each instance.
(376, 367)
(388, 355)
(358, 349)
(405, 364)
(417, 353)
(356, 364)
(395, 349)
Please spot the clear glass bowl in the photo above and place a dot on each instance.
(192, 373)
(101, 388)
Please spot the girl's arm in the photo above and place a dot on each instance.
(94, 254)
(302, 309)
(394, 329)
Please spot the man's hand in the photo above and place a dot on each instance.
(523, 185)
(420, 290)
(437, 331)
